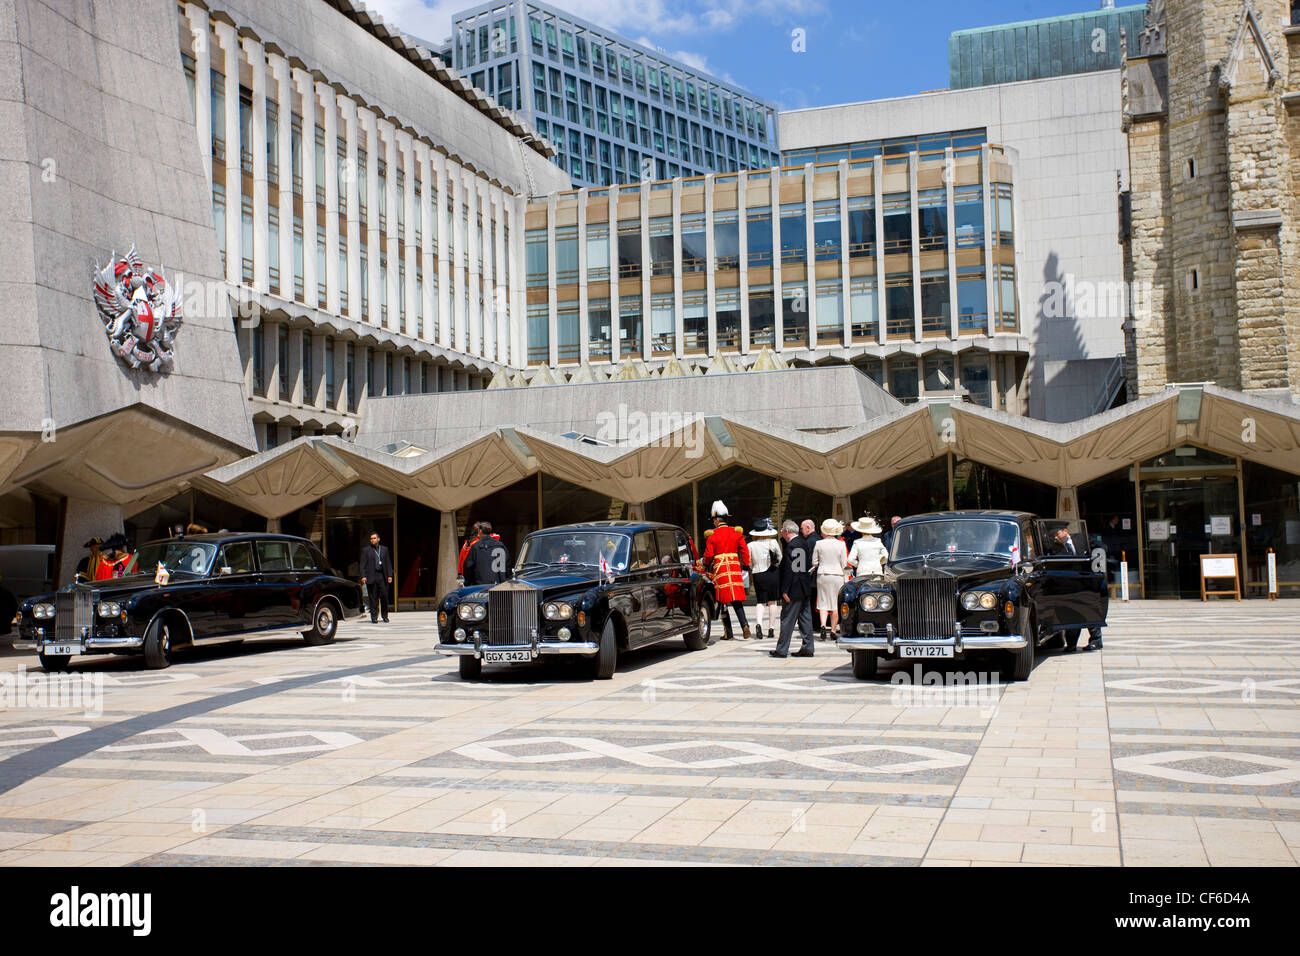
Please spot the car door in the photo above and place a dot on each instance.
(307, 570)
(279, 590)
(676, 577)
(644, 577)
(1071, 589)
(232, 601)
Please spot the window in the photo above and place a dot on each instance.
(726, 239)
(862, 227)
(329, 371)
(727, 312)
(350, 371)
(629, 248)
(539, 341)
(794, 239)
(566, 254)
(898, 224)
(968, 216)
(238, 555)
(304, 560)
(759, 235)
(598, 251)
(535, 257)
(934, 302)
(975, 378)
(830, 313)
(273, 556)
(663, 329)
(643, 545)
(1005, 318)
(308, 385)
(1003, 226)
(932, 218)
(902, 379)
(863, 308)
(661, 245)
(972, 299)
(826, 229)
(762, 318)
(282, 361)
(630, 325)
(598, 328)
(259, 359)
(695, 322)
(567, 331)
(899, 313)
(794, 315)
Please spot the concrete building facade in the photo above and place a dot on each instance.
(1212, 231)
(617, 111)
(1070, 154)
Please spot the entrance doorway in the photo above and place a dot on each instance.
(1191, 505)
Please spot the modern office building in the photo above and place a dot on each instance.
(904, 265)
(1036, 49)
(1063, 140)
(617, 111)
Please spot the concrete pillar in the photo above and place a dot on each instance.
(284, 163)
(393, 321)
(349, 132)
(306, 92)
(1067, 503)
(448, 550)
(636, 511)
(428, 258)
(442, 243)
(234, 192)
(842, 509)
(202, 46)
(330, 109)
(410, 249)
(83, 520)
(272, 525)
(375, 294)
(257, 66)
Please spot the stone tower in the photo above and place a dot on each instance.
(1212, 112)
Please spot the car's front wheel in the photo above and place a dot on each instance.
(471, 668)
(606, 659)
(865, 664)
(698, 639)
(324, 625)
(54, 662)
(158, 646)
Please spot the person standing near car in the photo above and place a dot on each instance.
(765, 572)
(796, 591)
(377, 575)
(726, 557)
(488, 560)
(1062, 543)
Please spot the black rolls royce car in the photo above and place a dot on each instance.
(962, 582)
(181, 591)
(588, 590)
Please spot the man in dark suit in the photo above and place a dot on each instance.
(377, 574)
(1061, 543)
(488, 560)
(796, 592)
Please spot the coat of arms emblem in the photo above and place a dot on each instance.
(141, 312)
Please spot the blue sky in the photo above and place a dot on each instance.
(854, 50)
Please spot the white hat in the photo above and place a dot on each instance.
(832, 527)
(719, 509)
(866, 525)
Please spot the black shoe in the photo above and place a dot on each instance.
(1094, 645)
(1071, 648)
(802, 654)
(386, 621)
(770, 635)
(775, 654)
(374, 620)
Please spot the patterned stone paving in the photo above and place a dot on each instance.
(1179, 744)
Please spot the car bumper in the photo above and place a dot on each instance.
(541, 648)
(889, 642)
(91, 645)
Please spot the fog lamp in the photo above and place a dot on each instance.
(564, 634)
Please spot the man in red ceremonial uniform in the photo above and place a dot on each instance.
(725, 558)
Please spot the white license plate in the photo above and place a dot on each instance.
(60, 650)
(925, 650)
(507, 657)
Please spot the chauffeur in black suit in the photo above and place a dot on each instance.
(377, 573)
(1062, 543)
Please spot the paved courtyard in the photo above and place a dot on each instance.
(1175, 746)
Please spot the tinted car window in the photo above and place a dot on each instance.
(273, 555)
(643, 550)
(303, 560)
(667, 546)
(238, 556)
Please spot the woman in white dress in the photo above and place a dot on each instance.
(868, 554)
(831, 563)
(764, 558)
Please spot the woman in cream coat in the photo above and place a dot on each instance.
(831, 564)
(868, 555)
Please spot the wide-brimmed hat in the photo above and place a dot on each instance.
(832, 527)
(116, 542)
(93, 542)
(866, 525)
(763, 528)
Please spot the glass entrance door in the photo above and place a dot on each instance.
(1187, 510)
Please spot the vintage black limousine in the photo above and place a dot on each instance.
(967, 581)
(219, 586)
(589, 590)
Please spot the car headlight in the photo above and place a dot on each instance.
(472, 612)
(42, 611)
(557, 611)
(459, 635)
(886, 601)
(109, 609)
(970, 600)
(869, 602)
(988, 600)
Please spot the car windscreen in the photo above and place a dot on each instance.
(969, 535)
(574, 547)
(194, 557)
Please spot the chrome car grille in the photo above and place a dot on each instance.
(73, 611)
(927, 608)
(511, 616)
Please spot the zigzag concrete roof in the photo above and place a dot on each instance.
(868, 443)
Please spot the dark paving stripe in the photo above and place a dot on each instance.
(793, 794)
(539, 845)
(139, 773)
(20, 768)
(1278, 814)
(39, 825)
